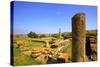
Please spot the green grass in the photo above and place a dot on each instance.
(24, 60)
(17, 52)
(20, 59)
(68, 49)
(35, 44)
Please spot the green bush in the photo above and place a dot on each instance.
(56, 35)
(32, 35)
(42, 36)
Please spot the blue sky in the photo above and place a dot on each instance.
(48, 18)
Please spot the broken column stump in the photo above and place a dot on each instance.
(78, 37)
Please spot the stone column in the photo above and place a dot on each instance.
(60, 33)
(78, 37)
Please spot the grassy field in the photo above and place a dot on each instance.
(68, 49)
(20, 59)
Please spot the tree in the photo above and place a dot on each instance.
(42, 35)
(66, 35)
(56, 35)
(32, 35)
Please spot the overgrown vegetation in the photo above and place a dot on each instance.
(20, 59)
(32, 35)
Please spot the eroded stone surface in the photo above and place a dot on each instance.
(78, 37)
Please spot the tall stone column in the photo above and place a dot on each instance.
(60, 33)
(78, 37)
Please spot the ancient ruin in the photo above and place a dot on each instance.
(78, 37)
